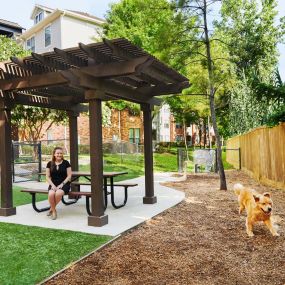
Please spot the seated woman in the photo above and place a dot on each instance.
(58, 175)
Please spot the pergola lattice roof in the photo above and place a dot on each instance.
(64, 79)
(116, 69)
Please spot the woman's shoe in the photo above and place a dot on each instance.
(54, 215)
(49, 213)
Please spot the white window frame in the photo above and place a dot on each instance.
(29, 47)
(47, 27)
(39, 17)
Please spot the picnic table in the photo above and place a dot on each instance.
(108, 181)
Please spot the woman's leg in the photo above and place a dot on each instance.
(58, 195)
(51, 199)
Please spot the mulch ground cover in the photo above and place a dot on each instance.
(202, 240)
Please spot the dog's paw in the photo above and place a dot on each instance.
(276, 235)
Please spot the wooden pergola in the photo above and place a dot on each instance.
(63, 80)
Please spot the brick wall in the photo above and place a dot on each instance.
(121, 122)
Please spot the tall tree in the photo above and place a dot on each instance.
(251, 32)
(154, 26)
(200, 8)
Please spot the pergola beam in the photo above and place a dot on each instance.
(94, 56)
(44, 102)
(164, 89)
(33, 82)
(116, 69)
(50, 63)
(69, 58)
(106, 86)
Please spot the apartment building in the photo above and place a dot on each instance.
(60, 28)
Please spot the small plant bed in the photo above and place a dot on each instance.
(28, 255)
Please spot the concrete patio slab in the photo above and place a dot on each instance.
(74, 217)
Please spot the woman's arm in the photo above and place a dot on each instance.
(48, 179)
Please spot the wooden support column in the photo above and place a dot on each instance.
(7, 208)
(149, 197)
(97, 219)
(73, 139)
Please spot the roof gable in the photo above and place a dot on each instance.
(39, 8)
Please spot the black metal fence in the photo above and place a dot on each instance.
(26, 161)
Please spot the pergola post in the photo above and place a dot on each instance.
(97, 219)
(149, 197)
(73, 139)
(7, 208)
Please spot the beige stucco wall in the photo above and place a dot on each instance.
(75, 31)
(55, 37)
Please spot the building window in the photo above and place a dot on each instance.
(134, 135)
(47, 36)
(49, 137)
(179, 138)
(39, 17)
(178, 126)
(31, 44)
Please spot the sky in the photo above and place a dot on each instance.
(19, 11)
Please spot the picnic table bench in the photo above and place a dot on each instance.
(106, 192)
(33, 192)
(75, 195)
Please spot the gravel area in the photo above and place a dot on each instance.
(200, 241)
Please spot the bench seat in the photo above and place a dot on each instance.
(33, 192)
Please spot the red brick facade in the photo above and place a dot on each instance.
(121, 123)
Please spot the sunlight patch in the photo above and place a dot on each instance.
(192, 200)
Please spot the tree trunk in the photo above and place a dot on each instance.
(223, 183)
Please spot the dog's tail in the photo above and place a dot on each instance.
(237, 188)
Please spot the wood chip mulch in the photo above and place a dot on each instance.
(202, 240)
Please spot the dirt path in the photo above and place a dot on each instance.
(200, 241)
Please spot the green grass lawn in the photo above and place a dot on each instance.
(134, 164)
(28, 255)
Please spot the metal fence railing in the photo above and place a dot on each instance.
(26, 161)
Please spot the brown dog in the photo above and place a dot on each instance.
(258, 208)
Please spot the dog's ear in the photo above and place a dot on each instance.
(256, 198)
(267, 194)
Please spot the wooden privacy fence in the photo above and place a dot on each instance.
(262, 154)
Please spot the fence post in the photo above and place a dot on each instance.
(40, 159)
(239, 157)
(13, 164)
(216, 161)
(180, 159)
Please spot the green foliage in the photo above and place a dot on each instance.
(154, 26)
(248, 27)
(133, 108)
(10, 48)
(32, 120)
(250, 33)
(30, 254)
(106, 115)
(276, 117)
(273, 94)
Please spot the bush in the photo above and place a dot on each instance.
(84, 149)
